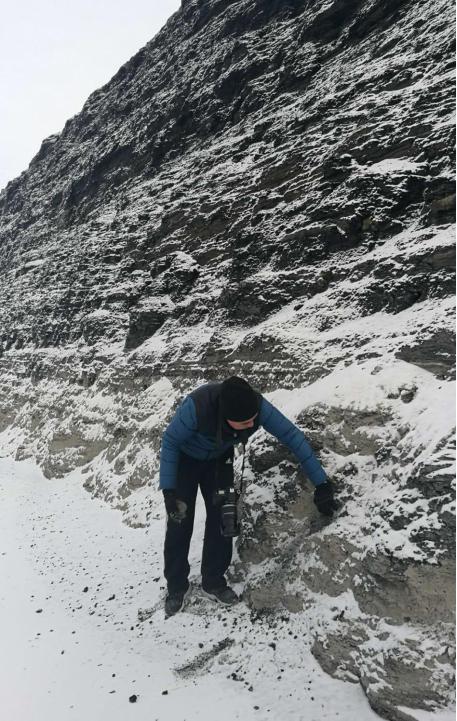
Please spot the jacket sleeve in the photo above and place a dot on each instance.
(182, 426)
(285, 431)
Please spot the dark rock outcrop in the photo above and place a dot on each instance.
(265, 188)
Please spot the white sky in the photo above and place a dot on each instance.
(53, 54)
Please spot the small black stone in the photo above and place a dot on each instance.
(133, 698)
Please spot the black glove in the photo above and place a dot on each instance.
(175, 508)
(323, 498)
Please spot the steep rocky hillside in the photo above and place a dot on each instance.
(266, 188)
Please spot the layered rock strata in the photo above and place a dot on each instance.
(265, 189)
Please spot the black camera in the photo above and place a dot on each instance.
(227, 499)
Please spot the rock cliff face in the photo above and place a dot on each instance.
(265, 189)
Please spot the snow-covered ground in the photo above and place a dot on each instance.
(73, 579)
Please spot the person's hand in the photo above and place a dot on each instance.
(175, 508)
(323, 498)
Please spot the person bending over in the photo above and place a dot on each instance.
(197, 450)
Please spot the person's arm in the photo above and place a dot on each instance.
(288, 433)
(182, 426)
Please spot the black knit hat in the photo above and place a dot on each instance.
(238, 401)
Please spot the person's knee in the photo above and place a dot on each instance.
(180, 529)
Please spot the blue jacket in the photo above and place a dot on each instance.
(193, 431)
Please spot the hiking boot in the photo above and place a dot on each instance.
(224, 594)
(174, 602)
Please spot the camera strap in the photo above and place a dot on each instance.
(240, 491)
(219, 444)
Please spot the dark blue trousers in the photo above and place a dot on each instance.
(217, 549)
